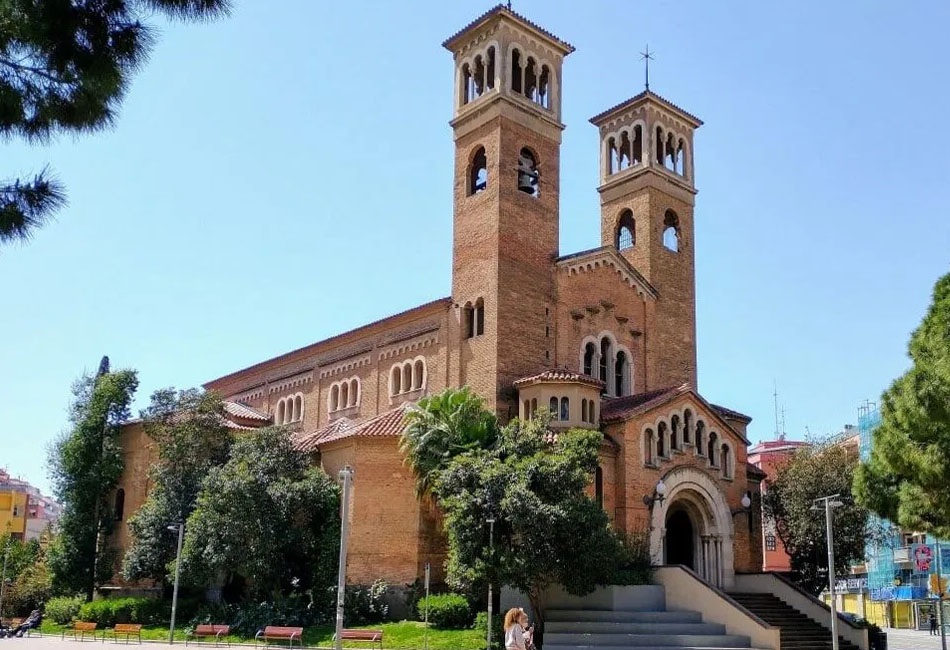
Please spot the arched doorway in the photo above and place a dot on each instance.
(680, 539)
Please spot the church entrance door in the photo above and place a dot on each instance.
(680, 536)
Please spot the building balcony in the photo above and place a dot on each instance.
(903, 555)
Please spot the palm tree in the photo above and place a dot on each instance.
(441, 427)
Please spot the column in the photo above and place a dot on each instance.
(719, 569)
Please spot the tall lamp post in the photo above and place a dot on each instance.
(491, 548)
(3, 576)
(346, 475)
(180, 529)
(830, 502)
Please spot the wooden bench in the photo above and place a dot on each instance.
(81, 628)
(374, 636)
(275, 633)
(128, 630)
(205, 631)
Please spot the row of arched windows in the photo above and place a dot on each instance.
(473, 318)
(407, 376)
(531, 79)
(289, 409)
(344, 394)
(625, 236)
(676, 434)
(479, 76)
(670, 151)
(560, 409)
(625, 151)
(528, 175)
(611, 364)
(587, 411)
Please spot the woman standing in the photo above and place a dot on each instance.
(517, 637)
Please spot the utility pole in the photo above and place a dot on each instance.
(346, 475)
(3, 576)
(829, 503)
(181, 536)
(940, 622)
(491, 547)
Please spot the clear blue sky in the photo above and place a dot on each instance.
(284, 175)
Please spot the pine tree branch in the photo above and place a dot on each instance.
(26, 206)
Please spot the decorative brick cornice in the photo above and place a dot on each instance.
(607, 257)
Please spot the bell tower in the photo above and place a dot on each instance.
(647, 195)
(507, 131)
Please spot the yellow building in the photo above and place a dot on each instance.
(13, 512)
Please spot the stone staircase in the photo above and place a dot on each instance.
(586, 629)
(799, 632)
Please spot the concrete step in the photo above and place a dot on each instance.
(610, 627)
(577, 615)
(550, 646)
(646, 640)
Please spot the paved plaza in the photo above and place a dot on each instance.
(912, 640)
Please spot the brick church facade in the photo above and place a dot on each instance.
(603, 338)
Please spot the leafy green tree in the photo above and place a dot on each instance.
(810, 473)
(441, 427)
(267, 517)
(85, 466)
(22, 574)
(547, 530)
(191, 437)
(64, 68)
(906, 477)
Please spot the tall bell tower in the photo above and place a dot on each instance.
(647, 194)
(507, 131)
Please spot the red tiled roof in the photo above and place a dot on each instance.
(730, 414)
(558, 375)
(621, 408)
(388, 424)
(645, 94)
(307, 442)
(754, 472)
(503, 10)
(245, 412)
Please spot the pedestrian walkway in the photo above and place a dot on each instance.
(910, 640)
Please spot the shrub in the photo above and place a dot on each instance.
(447, 611)
(366, 605)
(63, 610)
(109, 611)
(497, 628)
(636, 564)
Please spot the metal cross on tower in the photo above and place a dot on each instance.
(646, 57)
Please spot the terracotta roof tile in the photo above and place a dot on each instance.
(245, 412)
(644, 95)
(503, 10)
(385, 425)
(621, 408)
(308, 442)
(730, 414)
(559, 375)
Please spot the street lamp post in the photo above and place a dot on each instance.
(943, 628)
(3, 577)
(830, 502)
(180, 528)
(346, 475)
(491, 547)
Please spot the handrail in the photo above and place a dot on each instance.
(722, 594)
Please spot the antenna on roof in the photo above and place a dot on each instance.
(509, 5)
(778, 430)
(646, 57)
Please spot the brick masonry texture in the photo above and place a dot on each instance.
(537, 313)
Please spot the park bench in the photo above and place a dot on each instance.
(276, 633)
(81, 628)
(373, 636)
(205, 631)
(128, 630)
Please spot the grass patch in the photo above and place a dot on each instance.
(404, 635)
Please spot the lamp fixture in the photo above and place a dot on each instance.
(659, 494)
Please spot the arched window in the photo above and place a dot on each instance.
(584, 410)
(711, 449)
(298, 406)
(675, 432)
(687, 424)
(626, 231)
(119, 506)
(599, 486)
(659, 146)
(544, 88)
(669, 160)
(565, 409)
(700, 437)
(478, 172)
(534, 406)
(354, 392)
(528, 174)
(418, 373)
(395, 380)
(531, 80)
(661, 440)
(681, 157)
(605, 355)
(466, 84)
(516, 72)
(725, 461)
(525, 410)
(478, 77)
(479, 323)
(281, 409)
(620, 373)
(637, 144)
(344, 395)
(553, 408)
(490, 69)
(407, 377)
(648, 445)
(623, 151)
(591, 411)
(590, 351)
(671, 231)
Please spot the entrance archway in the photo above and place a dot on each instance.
(680, 539)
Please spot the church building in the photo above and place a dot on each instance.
(603, 338)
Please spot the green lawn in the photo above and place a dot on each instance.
(405, 635)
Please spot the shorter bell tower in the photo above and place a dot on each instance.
(647, 195)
